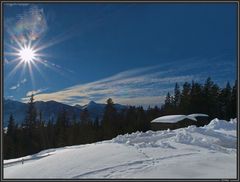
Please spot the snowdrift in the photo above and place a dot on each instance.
(192, 152)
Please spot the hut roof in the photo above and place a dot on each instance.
(172, 119)
(198, 115)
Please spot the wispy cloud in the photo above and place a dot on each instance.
(141, 86)
(19, 84)
(35, 92)
(14, 87)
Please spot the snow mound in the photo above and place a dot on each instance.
(143, 140)
(206, 137)
(217, 124)
(172, 119)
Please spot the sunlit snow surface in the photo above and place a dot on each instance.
(193, 152)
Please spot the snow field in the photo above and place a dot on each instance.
(192, 152)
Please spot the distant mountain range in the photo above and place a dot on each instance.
(50, 110)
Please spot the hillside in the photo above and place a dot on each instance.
(50, 110)
(204, 152)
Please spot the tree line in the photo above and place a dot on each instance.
(206, 98)
(36, 134)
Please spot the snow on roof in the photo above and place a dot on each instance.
(172, 119)
(198, 115)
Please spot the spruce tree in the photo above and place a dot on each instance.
(31, 115)
(109, 116)
(210, 97)
(144, 125)
(30, 141)
(185, 98)
(177, 96)
(61, 128)
(168, 104)
(197, 103)
(225, 101)
(85, 117)
(11, 126)
(234, 101)
(10, 139)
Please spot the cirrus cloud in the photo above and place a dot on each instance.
(35, 92)
(141, 86)
(146, 86)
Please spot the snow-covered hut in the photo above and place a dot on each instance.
(172, 122)
(202, 119)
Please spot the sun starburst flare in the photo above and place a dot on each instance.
(27, 54)
(24, 56)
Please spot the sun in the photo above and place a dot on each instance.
(27, 54)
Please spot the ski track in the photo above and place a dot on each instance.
(139, 164)
(25, 160)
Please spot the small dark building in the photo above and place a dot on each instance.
(202, 119)
(172, 122)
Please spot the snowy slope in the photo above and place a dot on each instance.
(204, 152)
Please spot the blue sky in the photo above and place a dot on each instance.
(131, 52)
